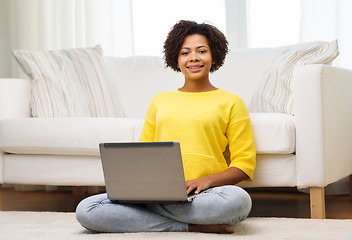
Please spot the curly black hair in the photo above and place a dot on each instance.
(173, 43)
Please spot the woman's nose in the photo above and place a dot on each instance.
(194, 57)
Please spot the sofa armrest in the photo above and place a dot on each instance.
(323, 115)
(14, 97)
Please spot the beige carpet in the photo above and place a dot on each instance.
(63, 226)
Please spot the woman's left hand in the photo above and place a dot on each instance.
(230, 176)
(197, 185)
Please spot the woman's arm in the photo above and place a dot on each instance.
(148, 131)
(230, 176)
(243, 153)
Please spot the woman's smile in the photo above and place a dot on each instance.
(195, 68)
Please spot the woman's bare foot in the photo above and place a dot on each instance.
(215, 228)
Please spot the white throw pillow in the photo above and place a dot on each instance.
(274, 91)
(69, 83)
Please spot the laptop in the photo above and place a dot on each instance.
(144, 172)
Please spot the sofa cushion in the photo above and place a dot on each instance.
(273, 133)
(54, 170)
(65, 136)
(273, 171)
(274, 91)
(69, 83)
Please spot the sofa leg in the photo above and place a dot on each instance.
(0, 197)
(351, 186)
(317, 202)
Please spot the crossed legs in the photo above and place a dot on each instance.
(213, 210)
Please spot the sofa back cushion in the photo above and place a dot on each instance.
(137, 79)
(243, 70)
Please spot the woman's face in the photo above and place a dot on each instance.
(195, 58)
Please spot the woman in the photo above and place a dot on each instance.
(205, 120)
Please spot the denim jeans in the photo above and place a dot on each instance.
(219, 205)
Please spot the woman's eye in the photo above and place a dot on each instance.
(184, 53)
(203, 51)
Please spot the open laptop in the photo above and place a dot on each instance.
(144, 172)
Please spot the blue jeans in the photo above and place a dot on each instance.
(219, 205)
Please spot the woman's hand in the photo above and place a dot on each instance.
(230, 176)
(197, 185)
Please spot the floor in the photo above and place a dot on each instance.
(284, 202)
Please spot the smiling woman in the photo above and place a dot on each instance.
(204, 120)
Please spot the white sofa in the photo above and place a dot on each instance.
(310, 149)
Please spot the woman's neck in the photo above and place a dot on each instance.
(196, 86)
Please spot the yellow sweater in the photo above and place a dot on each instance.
(204, 123)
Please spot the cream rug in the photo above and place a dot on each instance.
(63, 226)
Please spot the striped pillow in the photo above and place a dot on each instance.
(69, 83)
(274, 92)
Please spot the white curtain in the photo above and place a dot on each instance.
(57, 24)
(328, 20)
(236, 23)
